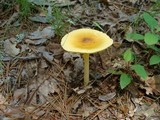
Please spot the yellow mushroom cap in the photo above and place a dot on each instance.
(86, 40)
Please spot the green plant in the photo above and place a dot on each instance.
(126, 78)
(150, 39)
(6, 4)
(24, 8)
(156, 6)
(59, 21)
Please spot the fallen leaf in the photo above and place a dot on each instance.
(55, 48)
(81, 90)
(150, 111)
(19, 93)
(30, 70)
(36, 42)
(88, 110)
(2, 99)
(35, 35)
(36, 113)
(78, 64)
(48, 32)
(48, 56)
(40, 49)
(10, 48)
(107, 97)
(153, 84)
(62, 3)
(43, 64)
(76, 106)
(67, 56)
(45, 34)
(122, 16)
(28, 41)
(149, 90)
(24, 47)
(41, 19)
(132, 111)
(14, 112)
(49, 86)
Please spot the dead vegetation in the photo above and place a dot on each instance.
(41, 81)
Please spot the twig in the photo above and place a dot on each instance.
(20, 58)
(101, 110)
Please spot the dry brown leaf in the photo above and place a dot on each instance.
(148, 110)
(43, 64)
(19, 93)
(67, 72)
(107, 97)
(157, 82)
(10, 47)
(46, 33)
(149, 90)
(29, 70)
(24, 47)
(48, 56)
(14, 112)
(87, 110)
(81, 90)
(76, 106)
(36, 42)
(67, 56)
(48, 87)
(36, 113)
(2, 99)
(78, 64)
(55, 48)
(152, 85)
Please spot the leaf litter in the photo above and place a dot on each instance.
(10, 47)
(41, 81)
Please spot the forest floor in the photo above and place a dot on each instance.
(41, 81)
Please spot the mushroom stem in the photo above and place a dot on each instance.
(86, 68)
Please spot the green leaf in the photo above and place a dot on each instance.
(139, 69)
(151, 22)
(158, 29)
(128, 55)
(134, 36)
(125, 80)
(155, 48)
(150, 38)
(96, 24)
(155, 59)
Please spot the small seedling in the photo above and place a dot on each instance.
(150, 39)
(24, 8)
(58, 22)
(125, 78)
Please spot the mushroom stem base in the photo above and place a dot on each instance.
(86, 68)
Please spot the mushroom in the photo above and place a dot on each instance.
(86, 41)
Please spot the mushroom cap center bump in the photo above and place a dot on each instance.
(86, 40)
